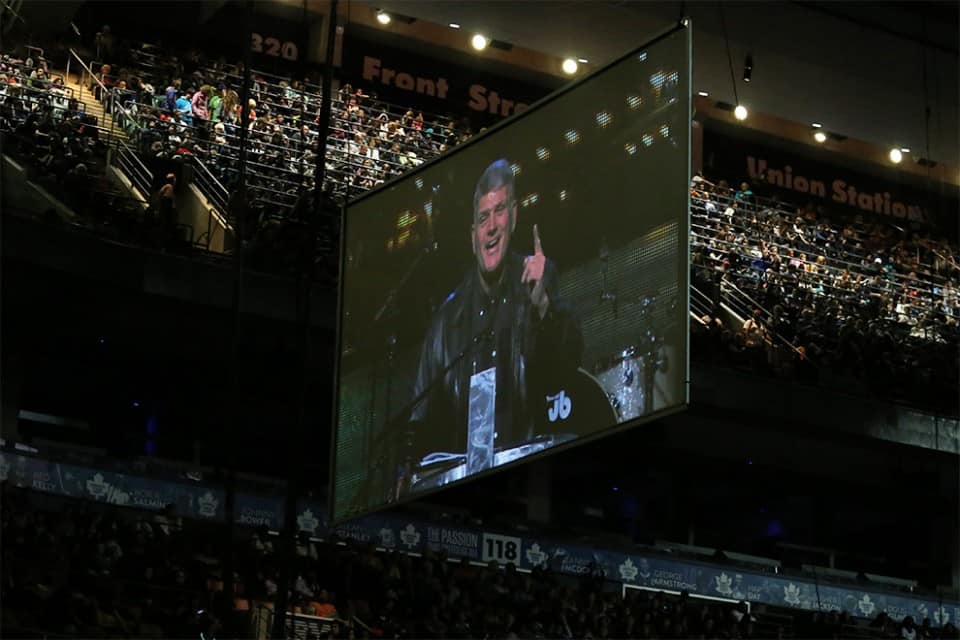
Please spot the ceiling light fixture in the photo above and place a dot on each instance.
(740, 113)
(383, 18)
(820, 137)
(570, 66)
(896, 156)
(454, 25)
(479, 42)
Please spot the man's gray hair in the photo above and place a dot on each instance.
(498, 174)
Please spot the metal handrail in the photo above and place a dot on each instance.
(216, 193)
(103, 87)
(851, 266)
(727, 287)
(133, 167)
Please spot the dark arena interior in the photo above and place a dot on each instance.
(713, 259)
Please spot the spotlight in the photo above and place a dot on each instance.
(740, 112)
(816, 125)
(703, 94)
(820, 136)
(896, 156)
(570, 66)
(582, 60)
(383, 18)
(453, 25)
(904, 150)
(479, 42)
(747, 68)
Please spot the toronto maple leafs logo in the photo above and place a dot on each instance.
(207, 505)
(866, 605)
(723, 582)
(940, 616)
(4, 468)
(387, 539)
(628, 571)
(409, 536)
(536, 556)
(307, 521)
(97, 487)
(791, 594)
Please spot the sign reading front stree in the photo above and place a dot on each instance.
(481, 99)
(449, 82)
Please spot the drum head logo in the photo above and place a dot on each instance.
(559, 406)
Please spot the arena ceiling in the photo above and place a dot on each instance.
(866, 70)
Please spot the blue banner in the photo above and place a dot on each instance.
(389, 531)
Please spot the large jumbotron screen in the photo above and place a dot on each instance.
(523, 293)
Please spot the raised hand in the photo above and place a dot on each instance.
(533, 268)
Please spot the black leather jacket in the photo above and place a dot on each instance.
(502, 330)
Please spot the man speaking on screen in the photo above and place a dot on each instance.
(495, 340)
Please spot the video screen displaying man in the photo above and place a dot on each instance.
(506, 315)
(524, 292)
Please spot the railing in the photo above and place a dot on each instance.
(700, 303)
(212, 189)
(743, 304)
(127, 119)
(127, 161)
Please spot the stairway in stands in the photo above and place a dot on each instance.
(110, 132)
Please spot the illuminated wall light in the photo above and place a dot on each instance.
(673, 78)
(543, 153)
(703, 94)
(582, 60)
(664, 131)
(530, 200)
(563, 195)
(630, 148)
(740, 113)
(454, 25)
(383, 18)
(570, 66)
(428, 207)
(816, 125)
(904, 150)
(479, 42)
(647, 140)
(634, 102)
(604, 119)
(896, 156)
(820, 137)
(419, 183)
(643, 56)
(658, 79)
(572, 136)
(516, 168)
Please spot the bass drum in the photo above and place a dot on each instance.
(576, 405)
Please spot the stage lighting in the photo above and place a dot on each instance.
(896, 156)
(453, 25)
(479, 42)
(703, 94)
(570, 66)
(383, 18)
(740, 112)
(820, 136)
(904, 150)
(582, 60)
(748, 68)
(816, 125)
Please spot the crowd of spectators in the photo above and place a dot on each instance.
(82, 569)
(823, 297)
